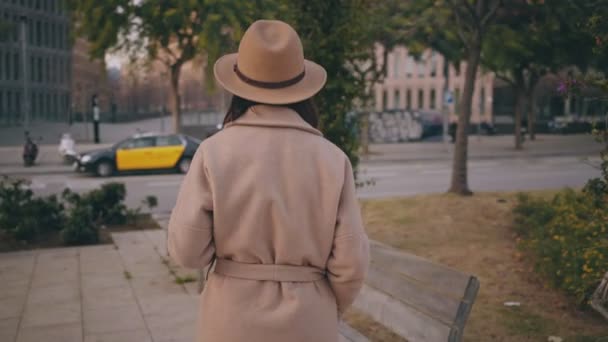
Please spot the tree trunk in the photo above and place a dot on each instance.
(364, 131)
(531, 101)
(459, 170)
(174, 100)
(445, 106)
(520, 108)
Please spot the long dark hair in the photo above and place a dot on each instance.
(306, 109)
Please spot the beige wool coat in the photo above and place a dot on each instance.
(269, 189)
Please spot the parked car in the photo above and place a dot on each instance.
(141, 152)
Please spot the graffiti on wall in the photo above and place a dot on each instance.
(394, 126)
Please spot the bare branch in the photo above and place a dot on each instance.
(459, 23)
(470, 8)
(490, 14)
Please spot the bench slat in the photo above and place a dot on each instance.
(403, 320)
(441, 279)
(416, 295)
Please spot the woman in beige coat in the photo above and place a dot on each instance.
(272, 203)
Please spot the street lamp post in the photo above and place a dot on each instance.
(24, 74)
(95, 105)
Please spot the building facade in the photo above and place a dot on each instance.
(46, 74)
(417, 84)
(89, 78)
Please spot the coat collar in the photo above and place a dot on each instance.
(274, 116)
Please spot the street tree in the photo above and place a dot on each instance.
(529, 40)
(335, 34)
(471, 20)
(173, 32)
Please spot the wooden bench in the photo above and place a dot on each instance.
(599, 300)
(416, 298)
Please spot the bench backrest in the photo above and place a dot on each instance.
(418, 299)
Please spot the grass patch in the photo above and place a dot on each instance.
(475, 235)
(185, 279)
(369, 328)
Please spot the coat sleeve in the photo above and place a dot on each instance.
(190, 237)
(349, 259)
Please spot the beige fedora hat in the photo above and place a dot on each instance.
(270, 66)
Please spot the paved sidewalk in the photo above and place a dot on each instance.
(110, 293)
(487, 147)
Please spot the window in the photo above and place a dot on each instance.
(434, 59)
(9, 104)
(421, 68)
(7, 63)
(433, 99)
(48, 70)
(137, 143)
(38, 33)
(32, 69)
(396, 99)
(396, 57)
(420, 99)
(17, 104)
(16, 66)
(385, 99)
(408, 99)
(172, 140)
(409, 66)
(40, 69)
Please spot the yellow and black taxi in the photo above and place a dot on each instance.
(140, 153)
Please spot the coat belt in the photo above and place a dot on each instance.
(271, 272)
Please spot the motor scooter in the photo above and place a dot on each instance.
(30, 151)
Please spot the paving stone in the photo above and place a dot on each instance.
(71, 332)
(12, 289)
(174, 326)
(40, 315)
(122, 336)
(129, 239)
(8, 329)
(107, 297)
(49, 278)
(11, 307)
(146, 287)
(102, 262)
(91, 282)
(55, 294)
(16, 268)
(169, 304)
(123, 318)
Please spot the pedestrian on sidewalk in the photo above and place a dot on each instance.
(271, 204)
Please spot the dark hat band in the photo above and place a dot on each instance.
(268, 85)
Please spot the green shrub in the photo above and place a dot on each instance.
(106, 203)
(25, 217)
(80, 227)
(568, 236)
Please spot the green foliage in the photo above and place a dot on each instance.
(24, 217)
(568, 237)
(76, 217)
(80, 227)
(569, 234)
(337, 42)
(106, 203)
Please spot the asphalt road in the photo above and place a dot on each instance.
(389, 179)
